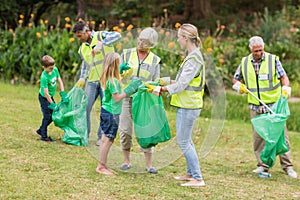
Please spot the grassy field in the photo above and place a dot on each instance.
(31, 169)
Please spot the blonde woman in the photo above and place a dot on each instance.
(111, 106)
(187, 95)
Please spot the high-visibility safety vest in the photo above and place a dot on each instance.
(266, 86)
(94, 65)
(192, 96)
(145, 69)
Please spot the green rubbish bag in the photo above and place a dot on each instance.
(150, 121)
(71, 118)
(271, 128)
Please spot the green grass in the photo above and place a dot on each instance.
(31, 169)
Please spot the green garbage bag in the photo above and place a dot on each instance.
(150, 121)
(71, 118)
(271, 128)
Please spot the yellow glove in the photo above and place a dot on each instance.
(127, 74)
(243, 89)
(286, 91)
(80, 83)
(150, 87)
(163, 81)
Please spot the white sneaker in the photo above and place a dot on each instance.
(258, 170)
(291, 173)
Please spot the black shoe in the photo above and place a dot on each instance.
(47, 139)
(39, 132)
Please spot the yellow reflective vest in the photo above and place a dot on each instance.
(147, 69)
(192, 96)
(94, 65)
(266, 86)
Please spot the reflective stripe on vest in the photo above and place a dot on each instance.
(94, 65)
(192, 96)
(146, 70)
(269, 87)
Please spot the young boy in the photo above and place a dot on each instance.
(48, 80)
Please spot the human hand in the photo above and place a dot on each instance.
(163, 81)
(80, 83)
(132, 87)
(124, 67)
(240, 87)
(286, 91)
(53, 106)
(127, 74)
(156, 90)
(64, 98)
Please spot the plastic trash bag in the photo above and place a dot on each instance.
(150, 121)
(71, 117)
(271, 128)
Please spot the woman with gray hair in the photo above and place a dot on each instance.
(145, 66)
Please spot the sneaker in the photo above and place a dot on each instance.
(152, 170)
(291, 173)
(194, 183)
(259, 170)
(47, 139)
(98, 142)
(125, 166)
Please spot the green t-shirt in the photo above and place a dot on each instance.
(49, 81)
(108, 102)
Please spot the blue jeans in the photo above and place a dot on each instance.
(185, 119)
(93, 90)
(109, 123)
(47, 115)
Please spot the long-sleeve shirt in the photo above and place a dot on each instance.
(189, 71)
(108, 39)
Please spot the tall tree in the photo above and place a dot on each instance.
(196, 9)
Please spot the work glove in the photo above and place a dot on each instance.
(124, 67)
(64, 98)
(53, 106)
(127, 74)
(240, 87)
(80, 83)
(132, 87)
(286, 91)
(156, 90)
(163, 81)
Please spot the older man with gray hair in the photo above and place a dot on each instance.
(265, 77)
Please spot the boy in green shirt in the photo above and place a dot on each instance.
(48, 80)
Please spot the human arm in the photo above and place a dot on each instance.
(284, 80)
(110, 37)
(236, 83)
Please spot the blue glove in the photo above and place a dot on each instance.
(53, 106)
(124, 67)
(132, 87)
(64, 98)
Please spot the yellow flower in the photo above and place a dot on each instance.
(29, 25)
(221, 60)
(115, 28)
(171, 45)
(45, 33)
(31, 15)
(21, 16)
(122, 24)
(41, 21)
(167, 34)
(11, 30)
(46, 21)
(38, 35)
(67, 19)
(68, 26)
(103, 22)
(161, 31)
(20, 21)
(129, 27)
(71, 40)
(93, 22)
(119, 46)
(223, 27)
(165, 10)
(129, 34)
(14, 35)
(177, 25)
(209, 50)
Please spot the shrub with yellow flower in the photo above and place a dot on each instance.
(71, 40)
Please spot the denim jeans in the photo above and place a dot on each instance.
(93, 90)
(47, 115)
(185, 119)
(109, 123)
